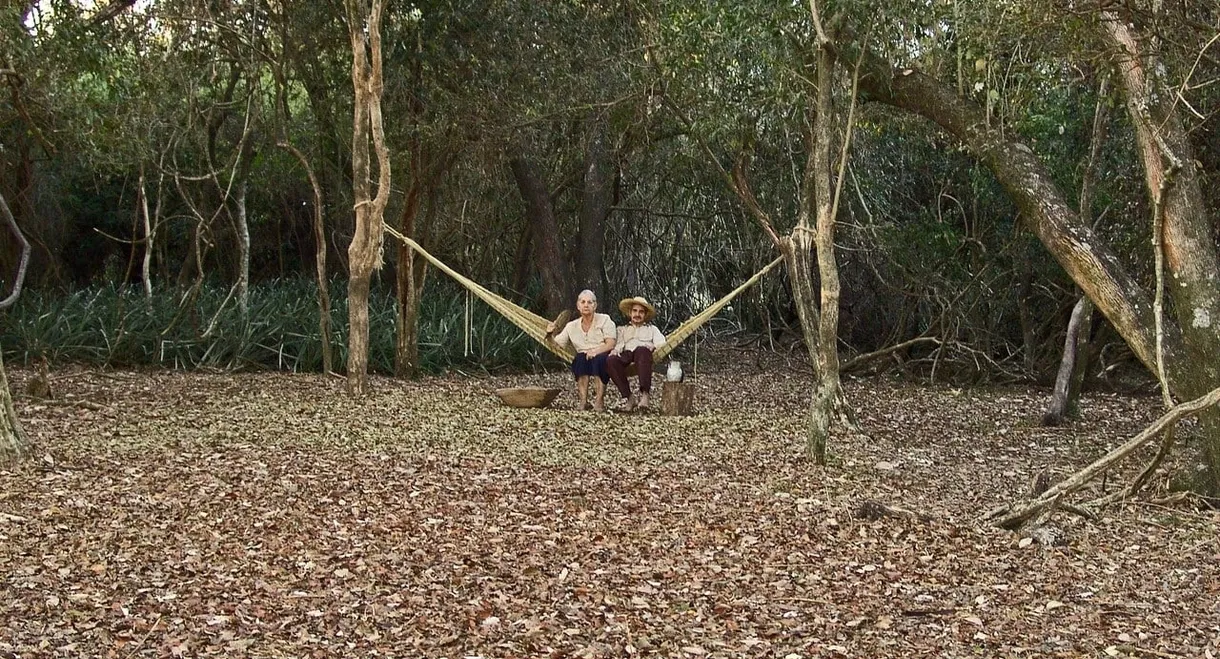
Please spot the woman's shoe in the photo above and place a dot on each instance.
(643, 404)
(625, 405)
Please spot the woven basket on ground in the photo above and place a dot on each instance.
(527, 396)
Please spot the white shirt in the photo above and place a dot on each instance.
(631, 337)
(573, 334)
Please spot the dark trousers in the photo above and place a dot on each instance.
(582, 365)
(617, 365)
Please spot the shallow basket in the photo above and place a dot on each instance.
(527, 396)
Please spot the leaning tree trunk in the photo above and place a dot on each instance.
(1065, 400)
(556, 275)
(364, 253)
(1081, 253)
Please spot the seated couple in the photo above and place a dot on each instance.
(603, 351)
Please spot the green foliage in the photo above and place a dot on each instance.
(117, 327)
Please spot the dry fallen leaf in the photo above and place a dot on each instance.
(270, 515)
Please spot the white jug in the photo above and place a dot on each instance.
(674, 372)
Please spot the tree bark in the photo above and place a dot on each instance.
(553, 268)
(1189, 252)
(1090, 263)
(1188, 346)
(595, 208)
(364, 252)
(14, 445)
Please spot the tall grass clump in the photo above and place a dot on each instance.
(118, 327)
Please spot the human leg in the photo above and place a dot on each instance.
(581, 369)
(600, 377)
(616, 365)
(643, 369)
(582, 392)
(642, 357)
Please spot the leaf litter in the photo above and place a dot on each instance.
(269, 515)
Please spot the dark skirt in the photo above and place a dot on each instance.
(582, 365)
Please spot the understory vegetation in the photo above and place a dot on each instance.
(115, 327)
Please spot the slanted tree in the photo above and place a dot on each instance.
(1186, 347)
(1065, 399)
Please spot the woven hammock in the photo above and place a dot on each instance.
(535, 325)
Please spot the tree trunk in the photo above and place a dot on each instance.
(1076, 247)
(556, 275)
(595, 208)
(149, 237)
(319, 236)
(364, 253)
(827, 391)
(1063, 405)
(243, 248)
(1186, 234)
(406, 342)
(14, 445)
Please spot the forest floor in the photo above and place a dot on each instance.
(269, 515)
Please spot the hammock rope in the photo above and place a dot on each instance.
(535, 325)
(693, 323)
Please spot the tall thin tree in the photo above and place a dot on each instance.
(365, 252)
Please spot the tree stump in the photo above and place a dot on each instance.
(677, 398)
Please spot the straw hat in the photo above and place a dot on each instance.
(627, 303)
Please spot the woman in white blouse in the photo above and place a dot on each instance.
(592, 336)
(634, 345)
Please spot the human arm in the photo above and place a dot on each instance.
(561, 337)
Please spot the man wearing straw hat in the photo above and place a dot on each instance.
(634, 345)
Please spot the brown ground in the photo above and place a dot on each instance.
(268, 515)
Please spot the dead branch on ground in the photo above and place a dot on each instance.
(1014, 516)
